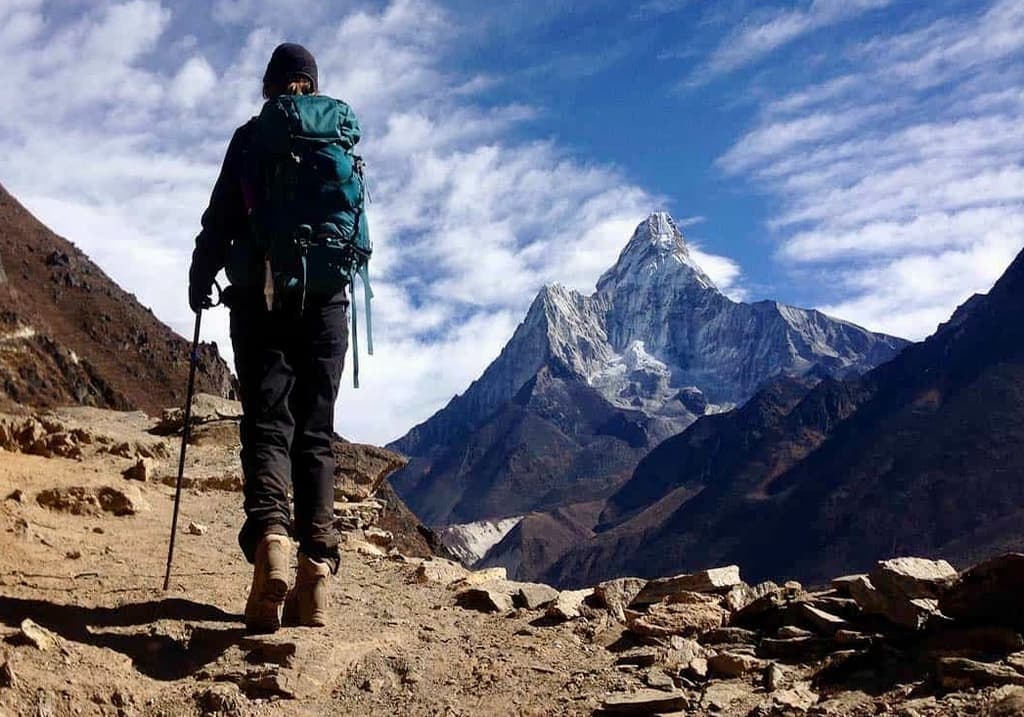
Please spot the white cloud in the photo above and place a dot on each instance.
(194, 82)
(905, 199)
(773, 29)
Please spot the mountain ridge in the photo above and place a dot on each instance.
(654, 347)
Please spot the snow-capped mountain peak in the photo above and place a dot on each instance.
(656, 252)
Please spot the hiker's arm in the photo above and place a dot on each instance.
(349, 126)
(223, 221)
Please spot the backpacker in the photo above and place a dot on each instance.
(306, 211)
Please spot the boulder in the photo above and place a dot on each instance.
(534, 596)
(206, 408)
(912, 613)
(972, 642)
(479, 577)
(960, 673)
(440, 570)
(742, 595)
(913, 577)
(618, 594)
(989, 592)
(1007, 702)
(80, 500)
(705, 581)
(485, 598)
(360, 469)
(122, 500)
(683, 614)
(195, 528)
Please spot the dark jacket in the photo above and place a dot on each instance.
(225, 222)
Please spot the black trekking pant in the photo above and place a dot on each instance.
(289, 368)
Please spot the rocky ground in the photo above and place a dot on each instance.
(85, 629)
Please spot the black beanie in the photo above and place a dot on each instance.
(289, 60)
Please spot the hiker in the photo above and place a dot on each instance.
(285, 221)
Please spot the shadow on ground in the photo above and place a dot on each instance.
(154, 649)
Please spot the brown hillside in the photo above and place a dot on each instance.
(70, 335)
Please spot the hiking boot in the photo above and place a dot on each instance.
(269, 584)
(306, 603)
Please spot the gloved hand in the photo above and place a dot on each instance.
(200, 295)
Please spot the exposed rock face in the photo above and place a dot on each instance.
(589, 383)
(69, 335)
(924, 454)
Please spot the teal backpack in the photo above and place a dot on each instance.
(306, 212)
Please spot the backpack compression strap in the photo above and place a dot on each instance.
(364, 274)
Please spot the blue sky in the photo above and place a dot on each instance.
(859, 156)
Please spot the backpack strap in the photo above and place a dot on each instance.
(355, 334)
(364, 275)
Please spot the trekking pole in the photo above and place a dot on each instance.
(184, 443)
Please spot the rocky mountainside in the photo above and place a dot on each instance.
(923, 455)
(70, 335)
(588, 384)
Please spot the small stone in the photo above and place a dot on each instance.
(98, 530)
(824, 622)
(799, 698)
(790, 632)
(729, 636)
(380, 538)
(657, 679)
(645, 702)
(373, 685)
(617, 594)
(705, 581)
(73, 554)
(141, 470)
(221, 700)
(37, 636)
(534, 596)
(568, 603)
(733, 664)
(17, 495)
(720, 696)
(195, 528)
(775, 677)
(7, 678)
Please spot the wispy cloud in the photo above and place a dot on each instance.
(905, 198)
(774, 29)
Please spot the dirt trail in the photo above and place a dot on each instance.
(85, 628)
(125, 647)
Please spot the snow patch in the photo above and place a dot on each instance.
(469, 542)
